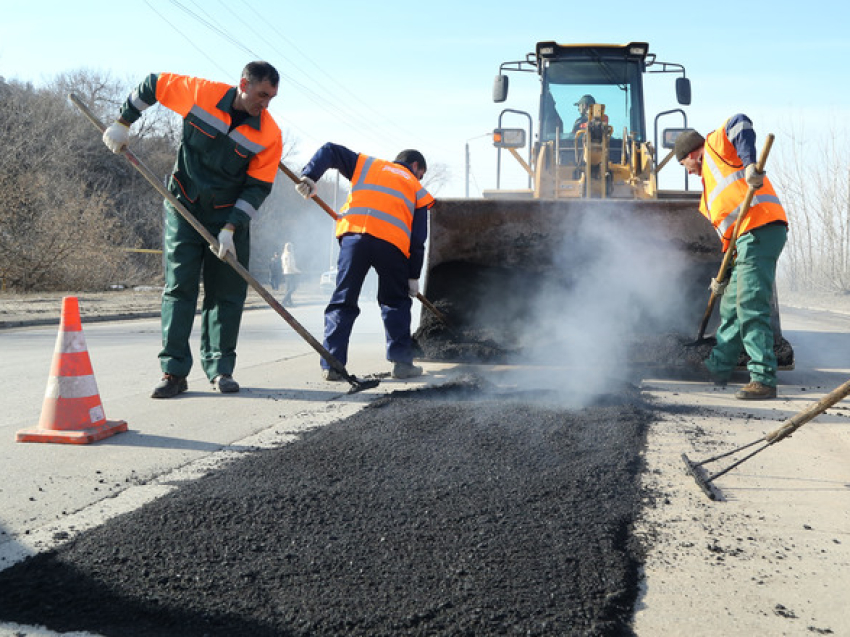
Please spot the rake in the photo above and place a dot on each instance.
(706, 480)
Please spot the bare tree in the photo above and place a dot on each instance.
(813, 182)
(62, 223)
(437, 177)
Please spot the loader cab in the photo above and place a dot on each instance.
(612, 75)
(616, 148)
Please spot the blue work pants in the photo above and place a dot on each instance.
(358, 253)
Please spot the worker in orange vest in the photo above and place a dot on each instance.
(383, 225)
(226, 164)
(726, 162)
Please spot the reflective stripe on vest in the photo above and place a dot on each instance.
(726, 188)
(381, 203)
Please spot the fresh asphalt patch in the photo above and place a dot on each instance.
(452, 510)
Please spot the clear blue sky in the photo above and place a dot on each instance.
(378, 77)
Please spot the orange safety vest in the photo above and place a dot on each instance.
(381, 202)
(724, 190)
(200, 98)
(604, 121)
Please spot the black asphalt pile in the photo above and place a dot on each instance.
(448, 511)
(491, 317)
(489, 311)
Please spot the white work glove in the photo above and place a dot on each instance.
(754, 177)
(718, 288)
(413, 288)
(116, 137)
(225, 244)
(306, 188)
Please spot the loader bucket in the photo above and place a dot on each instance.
(521, 278)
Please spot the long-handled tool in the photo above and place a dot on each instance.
(727, 258)
(333, 215)
(356, 385)
(705, 481)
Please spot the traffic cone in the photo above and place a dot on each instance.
(72, 411)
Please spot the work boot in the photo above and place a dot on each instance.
(755, 390)
(170, 386)
(406, 370)
(331, 375)
(225, 384)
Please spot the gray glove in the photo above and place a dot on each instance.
(754, 177)
(413, 288)
(306, 188)
(718, 288)
(116, 137)
(225, 244)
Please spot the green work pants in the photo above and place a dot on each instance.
(745, 307)
(188, 260)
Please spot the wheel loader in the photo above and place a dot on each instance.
(591, 260)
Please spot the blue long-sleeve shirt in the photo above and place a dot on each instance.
(739, 130)
(344, 160)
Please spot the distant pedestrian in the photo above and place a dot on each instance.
(726, 162)
(291, 274)
(383, 225)
(275, 271)
(226, 164)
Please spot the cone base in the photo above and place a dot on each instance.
(75, 437)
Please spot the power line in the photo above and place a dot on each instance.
(329, 106)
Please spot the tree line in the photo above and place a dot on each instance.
(74, 216)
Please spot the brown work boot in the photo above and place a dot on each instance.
(170, 386)
(755, 390)
(225, 384)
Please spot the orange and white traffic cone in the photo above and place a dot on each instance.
(72, 411)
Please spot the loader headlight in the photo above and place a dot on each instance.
(509, 137)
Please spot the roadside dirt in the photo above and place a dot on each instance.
(45, 308)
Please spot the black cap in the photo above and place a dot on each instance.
(687, 142)
(585, 100)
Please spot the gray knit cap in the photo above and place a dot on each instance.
(687, 143)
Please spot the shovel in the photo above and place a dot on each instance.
(356, 385)
(724, 265)
(333, 215)
(705, 481)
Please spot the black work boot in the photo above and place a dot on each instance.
(170, 386)
(755, 390)
(225, 384)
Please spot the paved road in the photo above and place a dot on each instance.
(772, 559)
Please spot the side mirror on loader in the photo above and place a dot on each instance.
(683, 90)
(509, 138)
(500, 88)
